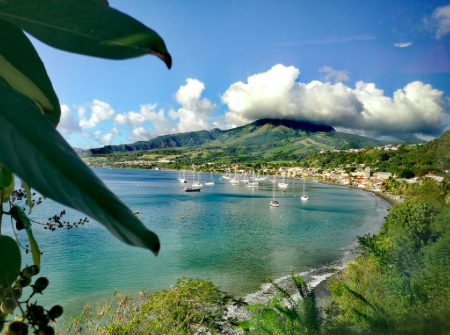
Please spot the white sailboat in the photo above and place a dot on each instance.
(182, 179)
(273, 202)
(259, 178)
(211, 182)
(304, 196)
(226, 176)
(245, 179)
(235, 180)
(283, 184)
(197, 183)
(196, 187)
(254, 183)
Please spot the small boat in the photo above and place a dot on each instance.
(304, 196)
(195, 187)
(137, 212)
(226, 176)
(283, 184)
(211, 182)
(254, 183)
(273, 202)
(196, 183)
(192, 189)
(182, 179)
(235, 180)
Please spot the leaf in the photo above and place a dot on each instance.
(86, 27)
(23, 70)
(28, 193)
(10, 260)
(18, 215)
(7, 182)
(38, 154)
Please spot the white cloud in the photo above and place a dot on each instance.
(100, 111)
(439, 22)
(115, 131)
(68, 124)
(194, 114)
(146, 113)
(337, 75)
(403, 45)
(103, 139)
(417, 108)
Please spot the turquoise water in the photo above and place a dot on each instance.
(228, 234)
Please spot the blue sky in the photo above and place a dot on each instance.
(236, 61)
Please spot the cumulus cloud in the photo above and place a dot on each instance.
(439, 22)
(103, 139)
(146, 113)
(336, 75)
(67, 124)
(194, 114)
(100, 111)
(415, 109)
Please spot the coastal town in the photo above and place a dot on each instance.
(354, 174)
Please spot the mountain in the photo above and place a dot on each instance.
(297, 137)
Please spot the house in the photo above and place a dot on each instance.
(384, 175)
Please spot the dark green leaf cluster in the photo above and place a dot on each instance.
(285, 315)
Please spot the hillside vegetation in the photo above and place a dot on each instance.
(262, 140)
(406, 162)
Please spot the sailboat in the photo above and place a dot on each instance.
(273, 202)
(304, 196)
(254, 183)
(182, 179)
(196, 186)
(245, 179)
(226, 176)
(283, 184)
(197, 183)
(211, 182)
(235, 180)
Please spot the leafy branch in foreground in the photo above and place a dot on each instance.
(32, 149)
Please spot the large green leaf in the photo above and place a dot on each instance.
(86, 27)
(38, 154)
(10, 260)
(23, 70)
(7, 185)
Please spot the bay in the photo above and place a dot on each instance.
(226, 233)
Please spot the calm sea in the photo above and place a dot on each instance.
(228, 234)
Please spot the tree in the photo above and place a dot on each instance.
(32, 149)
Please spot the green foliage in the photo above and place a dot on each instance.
(10, 261)
(399, 283)
(23, 70)
(284, 315)
(192, 306)
(88, 28)
(32, 149)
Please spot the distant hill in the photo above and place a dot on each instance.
(262, 134)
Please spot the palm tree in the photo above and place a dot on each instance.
(444, 187)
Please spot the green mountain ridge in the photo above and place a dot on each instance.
(262, 135)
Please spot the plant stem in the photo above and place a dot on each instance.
(1, 212)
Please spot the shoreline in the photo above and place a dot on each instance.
(385, 197)
(316, 278)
